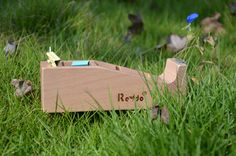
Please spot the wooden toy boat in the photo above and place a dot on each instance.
(78, 86)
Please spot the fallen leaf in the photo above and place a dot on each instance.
(176, 43)
(155, 112)
(232, 7)
(163, 113)
(10, 47)
(165, 117)
(23, 87)
(136, 27)
(137, 24)
(212, 24)
(195, 80)
(210, 40)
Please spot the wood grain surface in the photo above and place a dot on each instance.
(103, 86)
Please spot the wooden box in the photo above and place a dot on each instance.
(104, 86)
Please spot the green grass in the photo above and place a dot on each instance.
(202, 123)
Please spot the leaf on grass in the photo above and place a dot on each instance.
(195, 80)
(155, 112)
(136, 27)
(206, 39)
(165, 117)
(163, 113)
(23, 87)
(212, 24)
(10, 47)
(176, 43)
(210, 40)
(232, 7)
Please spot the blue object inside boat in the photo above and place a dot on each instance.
(80, 63)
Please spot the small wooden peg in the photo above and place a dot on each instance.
(53, 59)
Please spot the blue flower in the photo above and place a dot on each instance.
(192, 17)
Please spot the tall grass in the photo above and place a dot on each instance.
(37, 16)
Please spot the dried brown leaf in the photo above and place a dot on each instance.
(176, 43)
(136, 27)
(195, 80)
(212, 24)
(232, 7)
(10, 48)
(165, 116)
(23, 87)
(210, 40)
(162, 113)
(154, 112)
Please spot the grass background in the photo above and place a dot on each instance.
(202, 123)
